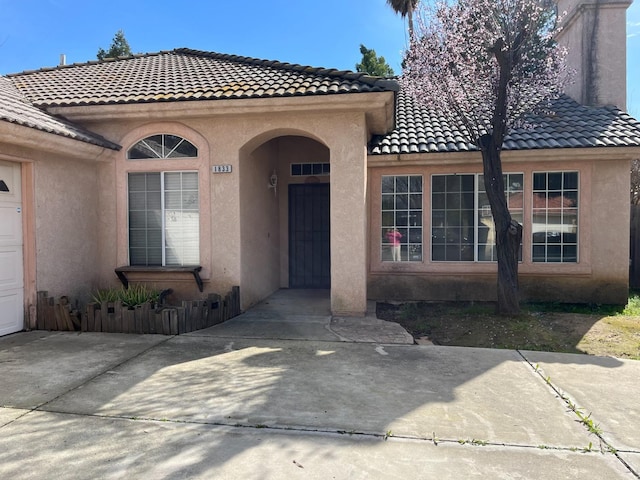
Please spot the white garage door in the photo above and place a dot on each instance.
(11, 274)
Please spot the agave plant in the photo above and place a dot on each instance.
(135, 295)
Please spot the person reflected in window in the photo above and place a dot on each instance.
(394, 237)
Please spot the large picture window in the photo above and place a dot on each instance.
(164, 219)
(513, 184)
(401, 218)
(462, 227)
(555, 217)
(452, 218)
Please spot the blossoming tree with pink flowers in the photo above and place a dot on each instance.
(482, 65)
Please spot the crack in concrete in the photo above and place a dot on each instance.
(573, 407)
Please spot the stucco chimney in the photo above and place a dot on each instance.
(595, 33)
(63, 59)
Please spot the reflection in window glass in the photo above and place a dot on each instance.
(401, 235)
(462, 228)
(555, 217)
(513, 184)
(452, 218)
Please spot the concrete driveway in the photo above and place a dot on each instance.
(214, 405)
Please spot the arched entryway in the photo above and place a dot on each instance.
(285, 216)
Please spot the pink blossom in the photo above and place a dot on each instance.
(453, 63)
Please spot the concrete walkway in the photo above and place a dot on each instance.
(209, 405)
(306, 314)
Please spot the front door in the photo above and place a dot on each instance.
(309, 242)
(11, 267)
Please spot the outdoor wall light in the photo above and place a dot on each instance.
(273, 182)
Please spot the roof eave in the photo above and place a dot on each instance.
(379, 108)
(23, 136)
(511, 156)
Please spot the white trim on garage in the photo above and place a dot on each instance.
(11, 256)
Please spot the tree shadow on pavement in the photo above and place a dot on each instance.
(157, 405)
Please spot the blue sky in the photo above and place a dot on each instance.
(33, 33)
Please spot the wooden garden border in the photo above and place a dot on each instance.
(113, 317)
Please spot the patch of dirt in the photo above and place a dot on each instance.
(475, 325)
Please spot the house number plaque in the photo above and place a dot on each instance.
(221, 169)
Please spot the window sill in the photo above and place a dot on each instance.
(193, 269)
(477, 268)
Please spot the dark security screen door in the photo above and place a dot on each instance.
(309, 245)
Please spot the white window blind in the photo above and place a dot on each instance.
(164, 219)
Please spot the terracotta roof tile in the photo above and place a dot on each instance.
(15, 108)
(566, 124)
(185, 74)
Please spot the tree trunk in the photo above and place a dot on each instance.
(508, 231)
(410, 21)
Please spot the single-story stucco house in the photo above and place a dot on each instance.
(199, 171)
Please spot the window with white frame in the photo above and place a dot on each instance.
(162, 146)
(401, 236)
(514, 193)
(164, 218)
(462, 227)
(555, 217)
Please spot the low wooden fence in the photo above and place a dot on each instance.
(57, 315)
(113, 317)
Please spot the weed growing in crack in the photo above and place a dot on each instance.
(589, 423)
(588, 448)
(474, 441)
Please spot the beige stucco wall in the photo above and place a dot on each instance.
(60, 207)
(241, 219)
(594, 33)
(600, 275)
(349, 222)
(80, 210)
(66, 226)
(244, 224)
(259, 225)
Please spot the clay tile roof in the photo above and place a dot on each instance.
(185, 74)
(15, 108)
(565, 124)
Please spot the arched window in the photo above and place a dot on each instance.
(163, 206)
(162, 146)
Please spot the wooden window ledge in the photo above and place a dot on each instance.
(121, 272)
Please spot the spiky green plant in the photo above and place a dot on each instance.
(103, 295)
(135, 295)
(138, 294)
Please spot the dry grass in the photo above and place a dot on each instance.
(538, 328)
